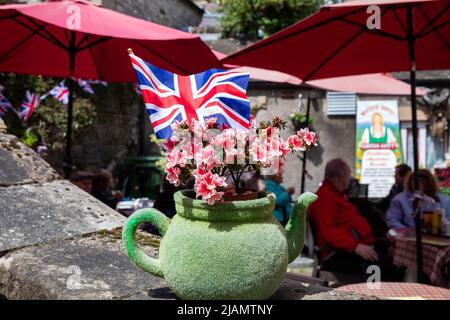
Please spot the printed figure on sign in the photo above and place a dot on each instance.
(378, 134)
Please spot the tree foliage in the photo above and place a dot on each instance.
(261, 18)
(47, 125)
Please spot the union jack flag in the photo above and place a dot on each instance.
(103, 83)
(85, 86)
(28, 106)
(61, 92)
(4, 105)
(213, 93)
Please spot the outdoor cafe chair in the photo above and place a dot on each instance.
(332, 278)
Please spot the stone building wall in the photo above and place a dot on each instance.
(117, 127)
(121, 127)
(336, 134)
(179, 14)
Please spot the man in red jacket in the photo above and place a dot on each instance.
(344, 236)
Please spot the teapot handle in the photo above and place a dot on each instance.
(137, 256)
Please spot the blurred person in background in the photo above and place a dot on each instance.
(346, 241)
(283, 202)
(102, 184)
(401, 172)
(83, 180)
(400, 212)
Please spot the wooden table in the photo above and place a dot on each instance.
(399, 290)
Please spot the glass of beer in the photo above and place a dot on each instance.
(436, 221)
(427, 221)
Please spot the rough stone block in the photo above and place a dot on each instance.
(20, 165)
(92, 267)
(37, 213)
(96, 267)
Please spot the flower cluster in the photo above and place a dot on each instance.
(212, 153)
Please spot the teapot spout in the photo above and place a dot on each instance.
(295, 227)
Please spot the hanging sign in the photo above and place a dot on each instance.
(378, 147)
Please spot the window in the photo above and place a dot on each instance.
(407, 143)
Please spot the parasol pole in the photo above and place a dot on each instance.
(68, 161)
(417, 214)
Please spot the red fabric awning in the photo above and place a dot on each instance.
(375, 83)
(40, 38)
(336, 41)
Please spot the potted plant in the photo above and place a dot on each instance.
(298, 120)
(217, 247)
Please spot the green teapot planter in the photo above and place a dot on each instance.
(229, 250)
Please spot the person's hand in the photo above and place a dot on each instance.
(366, 252)
(291, 190)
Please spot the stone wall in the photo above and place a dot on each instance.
(122, 127)
(179, 14)
(117, 129)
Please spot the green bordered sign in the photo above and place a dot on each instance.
(378, 145)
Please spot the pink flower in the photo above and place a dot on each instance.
(218, 141)
(252, 121)
(210, 123)
(207, 156)
(206, 187)
(284, 148)
(169, 145)
(301, 133)
(274, 148)
(296, 143)
(241, 136)
(224, 126)
(176, 158)
(200, 171)
(173, 175)
(264, 148)
(198, 129)
(252, 137)
(177, 125)
(310, 137)
(258, 150)
(281, 164)
(188, 150)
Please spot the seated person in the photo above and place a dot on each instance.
(283, 205)
(101, 189)
(400, 212)
(344, 236)
(165, 201)
(83, 180)
(401, 172)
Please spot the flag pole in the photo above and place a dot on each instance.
(308, 110)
